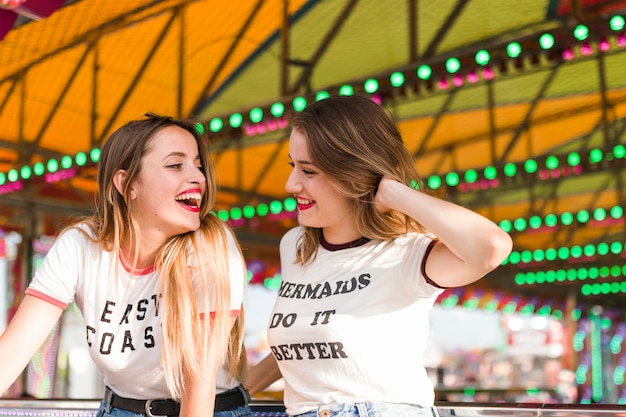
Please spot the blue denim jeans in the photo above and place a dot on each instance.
(106, 411)
(371, 409)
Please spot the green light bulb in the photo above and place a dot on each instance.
(453, 65)
(299, 103)
(235, 120)
(490, 172)
(94, 155)
(434, 182)
(25, 172)
(321, 95)
(396, 79)
(53, 165)
(370, 86)
(510, 169)
(482, 57)
(513, 50)
(216, 124)
(66, 162)
(39, 169)
(546, 41)
(471, 176)
(80, 158)
(262, 210)
(616, 23)
(452, 179)
(248, 211)
(424, 72)
(530, 165)
(199, 128)
(276, 207)
(277, 109)
(256, 115)
(581, 32)
(346, 90)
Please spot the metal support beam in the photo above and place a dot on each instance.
(526, 122)
(444, 28)
(231, 49)
(413, 16)
(305, 75)
(57, 104)
(284, 50)
(138, 75)
(433, 126)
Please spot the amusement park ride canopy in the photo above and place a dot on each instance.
(514, 109)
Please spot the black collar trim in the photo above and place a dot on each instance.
(331, 247)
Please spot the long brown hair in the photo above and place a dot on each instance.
(355, 142)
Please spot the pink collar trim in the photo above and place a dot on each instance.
(127, 267)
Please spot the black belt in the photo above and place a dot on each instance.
(236, 397)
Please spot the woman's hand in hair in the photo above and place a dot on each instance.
(388, 190)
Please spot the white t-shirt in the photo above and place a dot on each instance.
(353, 325)
(121, 314)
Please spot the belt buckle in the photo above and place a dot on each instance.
(148, 410)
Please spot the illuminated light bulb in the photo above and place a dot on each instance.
(283, 123)
(586, 49)
(457, 80)
(604, 45)
(377, 99)
(621, 40)
(250, 131)
(555, 173)
(568, 54)
(272, 125)
(488, 73)
(453, 65)
(260, 128)
(543, 174)
(443, 84)
(472, 77)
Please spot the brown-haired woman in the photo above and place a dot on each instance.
(362, 271)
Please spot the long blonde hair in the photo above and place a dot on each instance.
(184, 334)
(186, 337)
(355, 142)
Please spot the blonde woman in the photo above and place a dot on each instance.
(159, 281)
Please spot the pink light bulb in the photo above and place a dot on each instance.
(604, 45)
(472, 77)
(443, 84)
(488, 73)
(568, 54)
(250, 131)
(457, 80)
(260, 128)
(586, 49)
(621, 40)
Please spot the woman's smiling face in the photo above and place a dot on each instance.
(320, 205)
(166, 195)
